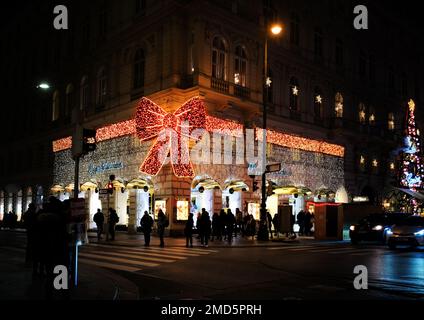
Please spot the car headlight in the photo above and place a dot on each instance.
(378, 228)
(419, 233)
(352, 228)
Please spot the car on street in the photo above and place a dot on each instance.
(374, 227)
(409, 232)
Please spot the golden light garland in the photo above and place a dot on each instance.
(128, 127)
(296, 142)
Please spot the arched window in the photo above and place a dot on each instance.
(101, 87)
(294, 91)
(219, 59)
(84, 93)
(371, 118)
(391, 121)
(56, 106)
(318, 112)
(69, 99)
(139, 69)
(338, 105)
(362, 113)
(240, 67)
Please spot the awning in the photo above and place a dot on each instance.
(415, 194)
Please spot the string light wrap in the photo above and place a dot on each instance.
(172, 133)
(295, 142)
(412, 171)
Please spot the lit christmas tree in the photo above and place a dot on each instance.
(412, 169)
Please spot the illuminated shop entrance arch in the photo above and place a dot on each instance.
(232, 197)
(203, 193)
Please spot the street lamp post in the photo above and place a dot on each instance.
(263, 225)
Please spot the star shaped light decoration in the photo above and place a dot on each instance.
(411, 105)
(318, 99)
(295, 91)
(268, 82)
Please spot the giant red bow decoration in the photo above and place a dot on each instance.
(171, 131)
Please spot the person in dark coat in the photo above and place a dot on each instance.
(162, 223)
(146, 224)
(276, 223)
(99, 220)
(205, 227)
(113, 220)
(216, 227)
(231, 221)
(307, 223)
(53, 239)
(29, 218)
(269, 222)
(239, 222)
(301, 222)
(188, 231)
(222, 224)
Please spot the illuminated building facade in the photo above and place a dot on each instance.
(336, 104)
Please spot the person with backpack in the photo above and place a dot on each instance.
(113, 220)
(146, 224)
(162, 223)
(188, 231)
(99, 220)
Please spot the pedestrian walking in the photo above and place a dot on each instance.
(307, 223)
(188, 230)
(99, 220)
(222, 224)
(301, 222)
(231, 221)
(216, 227)
(205, 227)
(29, 218)
(146, 224)
(239, 222)
(113, 220)
(269, 222)
(162, 223)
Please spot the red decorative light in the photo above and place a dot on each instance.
(171, 132)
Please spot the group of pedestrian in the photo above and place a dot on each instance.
(48, 241)
(10, 220)
(146, 224)
(305, 220)
(99, 220)
(223, 226)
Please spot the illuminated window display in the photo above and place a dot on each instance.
(182, 210)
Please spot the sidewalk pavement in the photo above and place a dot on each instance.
(18, 283)
(124, 239)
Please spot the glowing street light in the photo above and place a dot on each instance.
(276, 29)
(44, 86)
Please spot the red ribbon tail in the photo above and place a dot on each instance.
(157, 155)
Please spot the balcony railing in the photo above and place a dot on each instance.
(241, 92)
(220, 85)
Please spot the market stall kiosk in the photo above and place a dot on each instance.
(328, 220)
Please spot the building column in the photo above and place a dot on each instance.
(132, 218)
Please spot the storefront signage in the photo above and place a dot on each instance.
(106, 166)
